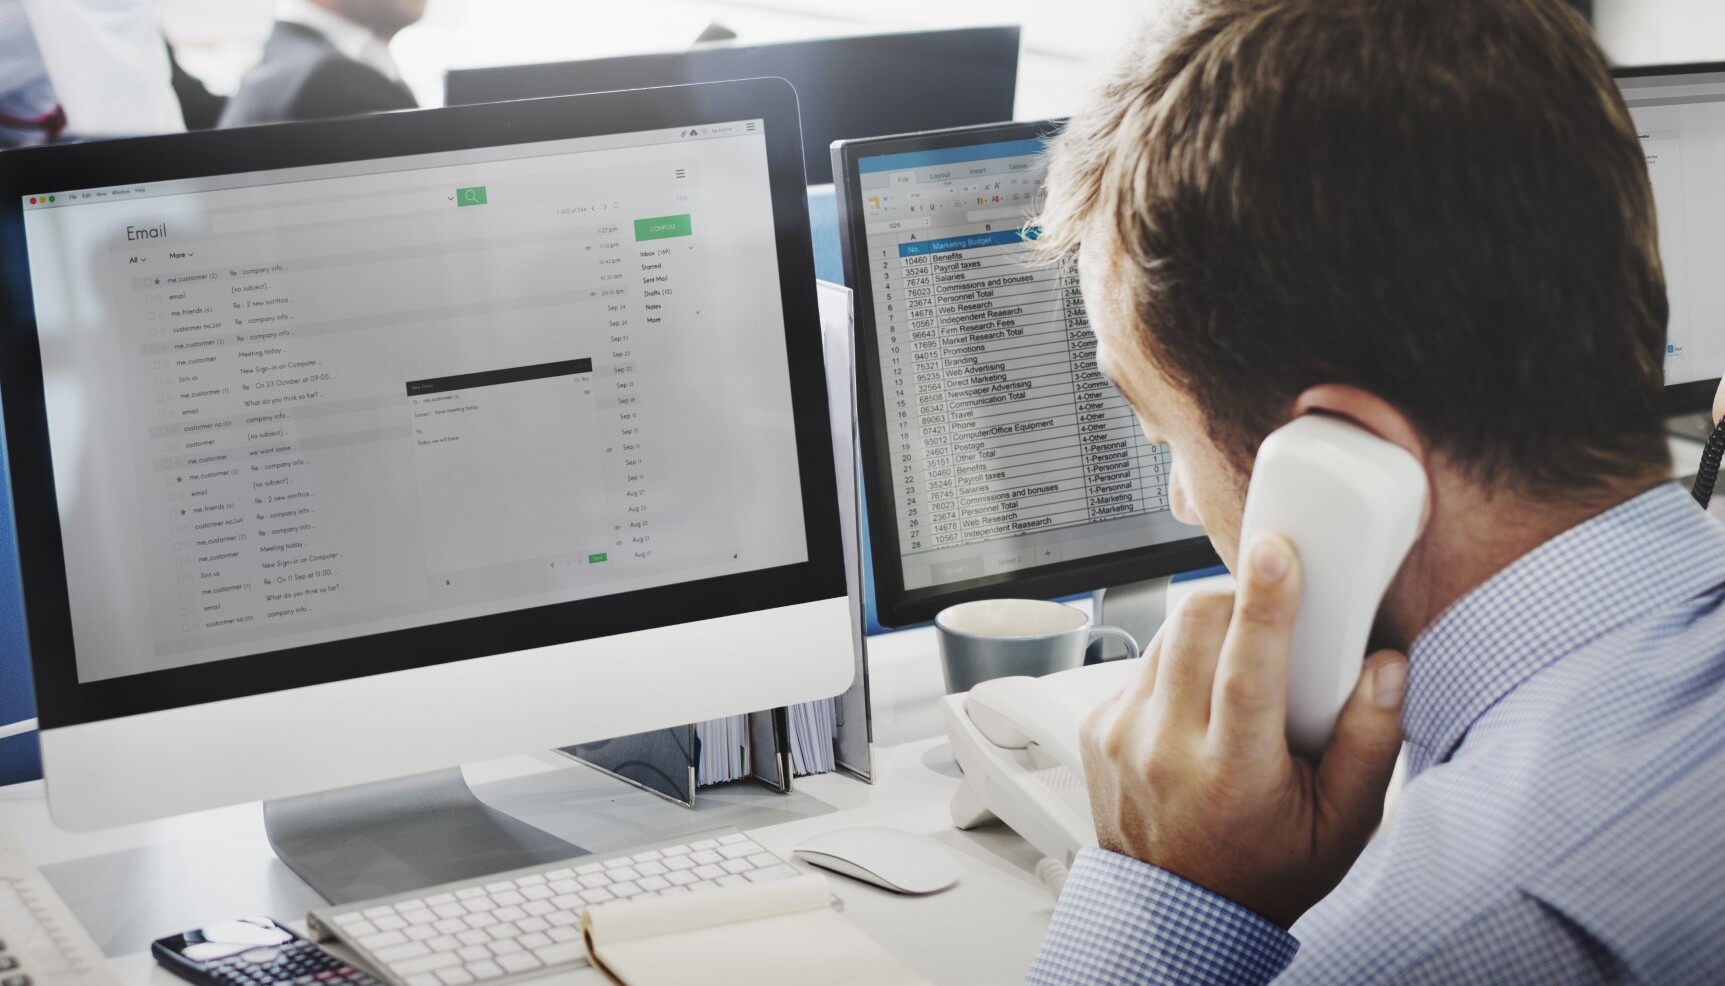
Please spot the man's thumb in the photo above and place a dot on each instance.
(1355, 771)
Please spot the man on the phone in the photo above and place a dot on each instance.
(1431, 218)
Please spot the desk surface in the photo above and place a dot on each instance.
(133, 884)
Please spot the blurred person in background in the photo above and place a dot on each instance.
(326, 58)
(81, 69)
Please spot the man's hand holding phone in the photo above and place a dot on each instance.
(1189, 767)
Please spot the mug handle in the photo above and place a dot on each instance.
(1099, 632)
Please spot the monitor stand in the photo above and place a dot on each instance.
(396, 836)
(1136, 607)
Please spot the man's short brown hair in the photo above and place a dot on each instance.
(1443, 202)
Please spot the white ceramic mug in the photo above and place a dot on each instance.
(995, 638)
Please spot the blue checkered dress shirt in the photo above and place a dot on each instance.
(1564, 817)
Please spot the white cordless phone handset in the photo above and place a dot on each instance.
(1351, 504)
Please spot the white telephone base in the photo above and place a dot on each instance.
(1007, 753)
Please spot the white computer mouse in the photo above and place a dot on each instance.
(900, 861)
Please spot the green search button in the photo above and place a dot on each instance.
(662, 227)
(470, 196)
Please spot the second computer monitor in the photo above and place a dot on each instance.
(846, 87)
(997, 458)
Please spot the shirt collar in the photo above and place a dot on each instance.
(353, 40)
(1652, 550)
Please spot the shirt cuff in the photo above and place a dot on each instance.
(1124, 921)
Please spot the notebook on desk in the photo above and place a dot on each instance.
(784, 931)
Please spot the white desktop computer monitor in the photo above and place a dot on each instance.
(1679, 112)
(350, 450)
(997, 459)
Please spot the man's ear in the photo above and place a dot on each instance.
(1365, 409)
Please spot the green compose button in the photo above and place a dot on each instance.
(662, 227)
(595, 559)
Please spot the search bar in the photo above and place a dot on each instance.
(286, 215)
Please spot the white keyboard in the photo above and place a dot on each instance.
(527, 923)
(41, 944)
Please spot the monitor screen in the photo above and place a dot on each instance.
(1680, 116)
(846, 87)
(295, 407)
(996, 451)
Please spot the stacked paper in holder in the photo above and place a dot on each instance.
(724, 746)
(814, 725)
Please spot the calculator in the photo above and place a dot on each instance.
(254, 952)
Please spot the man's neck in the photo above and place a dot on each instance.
(1472, 535)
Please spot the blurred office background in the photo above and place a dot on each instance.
(1064, 43)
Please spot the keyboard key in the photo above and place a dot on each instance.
(529, 880)
(586, 868)
(561, 953)
(598, 895)
(563, 919)
(626, 888)
(679, 878)
(704, 844)
(708, 872)
(390, 922)
(503, 932)
(732, 839)
(509, 913)
(436, 899)
(428, 963)
(623, 873)
(778, 872)
(569, 902)
(449, 910)
(539, 908)
(679, 863)
(672, 851)
(360, 929)
(443, 943)
(763, 859)
(468, 893)
(472, 936)
(423, 979)
(508, 898)
(732, 880)
(420, 932)
(477, 904)
(564, 934)
(519, 962)
(560, 874)
(382, 939)
(395, 953)
(481, 920)
(379, 911)
(532, 924)
(654, 883)
(344, 919)
(534, 940)
(484, 969)
(450, 926)
(454, 977)
(538, 891)
(706, 856)
(564, 886)
(421, 916)
(592, 880)
(651, 868)
(738, 865)
(668, 891)
(499, 886)
(474, 953)
(504, 947)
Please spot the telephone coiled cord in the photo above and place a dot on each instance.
(1708, 473)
